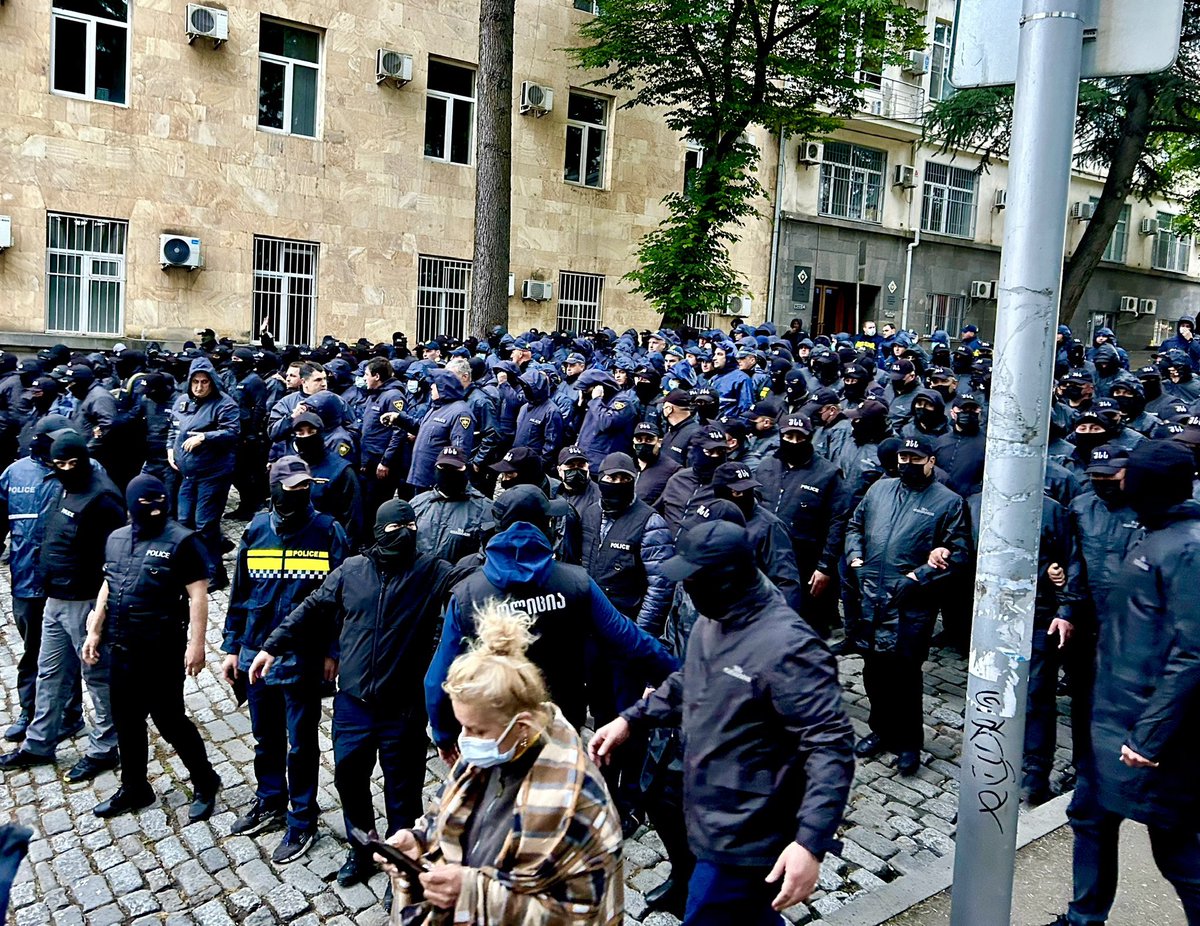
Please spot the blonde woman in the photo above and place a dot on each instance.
(525, 832)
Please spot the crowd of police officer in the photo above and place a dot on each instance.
(391, 490)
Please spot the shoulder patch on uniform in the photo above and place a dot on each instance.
(343, 450)
(398, 404)
(620, 406)
(465, 421)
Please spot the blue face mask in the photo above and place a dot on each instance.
(413, 385)
(485, 753)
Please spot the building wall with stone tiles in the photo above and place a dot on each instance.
(185, 156)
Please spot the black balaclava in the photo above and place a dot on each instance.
(929, 419)
(1158, 476)
(1131, 406)
(795, 387)
(795, 454)
(1152, 385)
(71, 446)
(394, 549)
(81, 381)
(646, 392)
(1089, 442)
(746, 502)
(1106, 360)
(1110, 492)
(854, 390)
(615, 497)
(716, 591)
(450, 481)
(827, 368)
(146, 499)
(291, 506)
(900, 387)
(703, 465)
(49, 388)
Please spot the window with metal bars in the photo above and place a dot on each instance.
(946, 311)
(579, 301)
(701, 321)
(85, 274)
(443, 294)
(852, 181)
(89, 49)
(285, 288)
(948, 206)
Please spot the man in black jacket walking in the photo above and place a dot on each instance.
(382, 608)
(768, 748)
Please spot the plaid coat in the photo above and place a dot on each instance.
(560, 864)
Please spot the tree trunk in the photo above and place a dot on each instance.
(493, 167)
(1117, 185)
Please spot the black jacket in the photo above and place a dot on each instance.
(678, 439)
(813, 503)
(624, 556)
(1104, 537)
(961, 457)
(768, 748)
(681, 496)
(653, 479)
(76, 531)
(1148, 679)
(775, 556)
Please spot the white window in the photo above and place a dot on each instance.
(1172, 250)
(1117, 244)
(587, 139)
(579, 296)
(450, 113)
(852, 181)
(285, 288)
(693, 160)
(939, 62)
(588, 6)
(289, 74)
(89, 44)
(946, 312)
(443, 294)
(948, 205)
(85, 274)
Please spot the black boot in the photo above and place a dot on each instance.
(668, 897)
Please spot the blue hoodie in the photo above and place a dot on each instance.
(449, 423)
(217, 417)
(539, 423)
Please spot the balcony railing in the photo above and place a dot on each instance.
(888, 98)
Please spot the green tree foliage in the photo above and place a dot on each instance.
(714, 68)
(1144, 130)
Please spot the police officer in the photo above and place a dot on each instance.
(452, 516)
(335, 487)
(654, 468)
(449, 423)
(609, 420)
(250, 460)
(768, 757)
(577, 486)
(900, 393)
(691, 487)
(95, 409)
(150, 616)
(382, 446)
(285, 554)
(539, 423)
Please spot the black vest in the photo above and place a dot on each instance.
(558, 607)
(145, 601)
(616, 561)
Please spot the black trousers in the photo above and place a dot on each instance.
(147, 681)
(363, 732)
(663, 796)
(250, 475)
(894, 685)
(27, 613)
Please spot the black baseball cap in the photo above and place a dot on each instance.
(709, 545)
(618, 463)
(796, 423)
(1107, 460)
(647, 427)
(571, 454)
(290, 471)
(736, 476)
(680, 398)
(917, 443)
(710, 437)
(451, 456)
(902, 369)
(527, 503)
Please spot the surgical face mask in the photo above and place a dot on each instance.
(575, 480)
(869, 330)
(967, 422)
(485, 753)
(647, 452)
(914, 476)
(615, 497)
(450, 481)
(412, 386)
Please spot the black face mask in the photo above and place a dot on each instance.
(900, 387)
(1131, 405)
(1073, 393)
(967, 422)
(930, 419)
(795, 454)
(1109, 491)
(914, 476)
(75, 479)
(981, 384)
(868, 430)
(1089, 442)
(310, 448)
(1153, 388)
(796, 391)
(450, 481)
(715, 592)
(575, 481)
(854, 390)
(946, 392)
(1106, 368)
(827, 374)
(571, 377)
(79, 390)
(746, 502)
(646, 392)
(395, 548)
(615, 497)
(647, 453)
(290, 505)
(703, 465)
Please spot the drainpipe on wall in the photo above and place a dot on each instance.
(908, 259)
(771, 281)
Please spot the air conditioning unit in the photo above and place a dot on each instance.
(393, 66)
(207, 22)
(536, 99)
(178, 251)
(739, 305)
(810, 153)
(983, 289)
(916, 62)
(1129, 305)
(1082, 212)
(1000, 200)
(905, 176)
(5, 232)
(1149, 226)
(1147, 307)
(537, 290)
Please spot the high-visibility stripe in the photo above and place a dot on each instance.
(306, 564)
(21, 517)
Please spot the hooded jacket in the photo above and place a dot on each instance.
(607, 425)
(567, 607)
(1104, 537)
(27, 490)
(216, 417)
(913, 428)
(539, 423)
(449, 423)
(380, 443)
(98, 410)
(451, 528)
(1191, 346)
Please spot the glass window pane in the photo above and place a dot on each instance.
(304, 100)
(111, 58)
(460, 132)
(301, 44)
(70, 56)
(595, 158)
(270, 94)
(449, 78)
(574, 153)
(586, 109)
(106, 9)
(270, 39)
(435, 127)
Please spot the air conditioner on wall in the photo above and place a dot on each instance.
(1149, 227)
(739, 305)
(1000, 200)
(916, 62)
(1147, 307)
(207, 22)
(537, 290)
(536, 99)
(983, 289)
(395, 67)
(905, 176)
(179, 251)
(1128, 305)
(1082, 212)
(5, 232)
(810, 153)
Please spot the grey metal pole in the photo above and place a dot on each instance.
(1018, 421)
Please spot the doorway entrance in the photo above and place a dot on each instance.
(836, 306)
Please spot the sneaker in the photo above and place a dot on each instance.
(294, 844)
(357, 868)
(124, 802)
(89, 767)
(16, 733)
(258, 819)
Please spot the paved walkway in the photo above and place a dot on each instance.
(155, 868)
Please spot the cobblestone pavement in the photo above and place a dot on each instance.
(155, 868)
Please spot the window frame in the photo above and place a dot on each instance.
(442, 294)
(940, 71)
(90, 22)
(949, 308)
(282, 329)
(87, 275)
(289, 66)
(451, 100)
(592, 6)
(1121, 229)
(695, 152)
(570, 312)
(855, 173)
(949, 187)
(1177, 245)
(587, 128)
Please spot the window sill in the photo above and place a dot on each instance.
(847, 218)
(280, 133)
(1172, 270)
(945, 234)
(585, 186)
(86, 99)
(446, 161)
